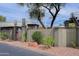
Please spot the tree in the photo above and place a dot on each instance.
(74, 19)
(35, 12)
(38, 14)
(51, 7)
(2, 19)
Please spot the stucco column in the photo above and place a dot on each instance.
(15, 29)
(24, 30)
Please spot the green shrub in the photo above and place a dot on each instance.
(73, 43)
(48, 41)
(37, 36)
(24, 37)
(4, 35)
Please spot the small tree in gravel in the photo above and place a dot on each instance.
(48, 41)
(37, 37)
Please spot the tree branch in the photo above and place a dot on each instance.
(49, 10)
(54, 17)
(55, 7)
(58, 6)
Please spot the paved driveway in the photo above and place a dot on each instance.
(7, 50)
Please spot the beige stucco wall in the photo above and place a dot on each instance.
(63, 36)
(71, 35)
(59, 34)
(78, 37)
(45, 32)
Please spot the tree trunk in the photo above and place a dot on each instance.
(54, 17)
(41, 22)
(52, 22)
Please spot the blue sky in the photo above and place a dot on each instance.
(15, 12)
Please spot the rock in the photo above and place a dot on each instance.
(43, 47)
(32, 44)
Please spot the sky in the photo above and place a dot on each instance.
(13, 11)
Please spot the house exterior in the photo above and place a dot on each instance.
(71, 22)
(15, 30)
(19, 25)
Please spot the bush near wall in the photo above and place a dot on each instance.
(4, 35)
(48, 41)
(73, 43)
(37, 37)
(24, 36)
